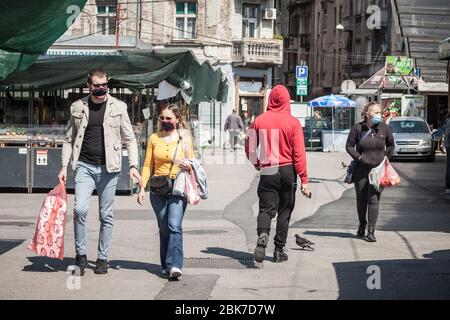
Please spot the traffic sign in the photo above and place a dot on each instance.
(302, 87)
(301, 72)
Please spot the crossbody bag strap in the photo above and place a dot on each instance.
(174, 155)
(363, 137)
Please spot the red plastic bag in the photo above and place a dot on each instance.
(390, 177)
(191, 189)
(48, 238)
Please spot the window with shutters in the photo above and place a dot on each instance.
(185, 19)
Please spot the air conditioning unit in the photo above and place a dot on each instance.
(270, 14)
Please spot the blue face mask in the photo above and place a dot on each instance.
(376, 119)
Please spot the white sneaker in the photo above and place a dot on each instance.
(175, 273)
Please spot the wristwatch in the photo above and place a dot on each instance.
(131, 167)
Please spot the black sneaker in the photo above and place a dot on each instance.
(82, 263)
(101, 266)
(261, 244)
(280, 255)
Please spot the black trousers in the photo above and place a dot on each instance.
(276, 192)
(367, 197)
(447, 176)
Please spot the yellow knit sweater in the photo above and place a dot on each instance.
(159, 156)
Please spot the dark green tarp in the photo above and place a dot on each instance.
(133, 69)
(29, 27)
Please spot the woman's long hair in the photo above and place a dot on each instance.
(367, 108)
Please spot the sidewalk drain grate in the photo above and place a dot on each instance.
(205, 231)
(220, 263)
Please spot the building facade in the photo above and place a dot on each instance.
(338, 40)
(235, 35)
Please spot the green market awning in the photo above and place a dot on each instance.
(29, 28)
(132, 69)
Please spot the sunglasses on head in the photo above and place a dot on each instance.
(165, 118)
(98, 85)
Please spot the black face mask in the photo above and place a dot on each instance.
(98, 92)
(167, 125)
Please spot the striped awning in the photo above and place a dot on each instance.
(425, 24)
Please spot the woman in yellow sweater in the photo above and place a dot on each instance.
(160, 160)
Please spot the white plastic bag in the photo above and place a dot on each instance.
(376, 175)
(179, 185)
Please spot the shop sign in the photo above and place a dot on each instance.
(399, 66)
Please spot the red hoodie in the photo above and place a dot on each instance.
(279, 136)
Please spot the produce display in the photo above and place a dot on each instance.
(10, 133)
(38, 134)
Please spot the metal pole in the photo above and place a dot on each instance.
(138, 13)
(332, 123)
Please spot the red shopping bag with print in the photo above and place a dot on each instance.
(390, 177)
(191, 189)
(48, 238)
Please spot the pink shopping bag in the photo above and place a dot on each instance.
(191, 189)
(390, 177)
(48, 238)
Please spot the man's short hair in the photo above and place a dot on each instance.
(99, 72)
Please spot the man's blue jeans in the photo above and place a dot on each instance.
(87, 178)
(169, 212)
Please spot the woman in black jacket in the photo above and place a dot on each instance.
(369, 150)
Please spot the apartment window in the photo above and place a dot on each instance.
(318, 24)
(335, 18)
(185, 19)
(357, 51)
(106, 17)
(369, 50)
(324, 21)
(250, 21)
(358, 7)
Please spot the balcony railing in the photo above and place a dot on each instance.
(268, 51)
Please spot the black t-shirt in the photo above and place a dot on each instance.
(93, 148)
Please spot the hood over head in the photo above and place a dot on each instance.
(279, 100)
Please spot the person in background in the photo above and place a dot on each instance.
(446, 127)
(374, 141)
(234, 125)
(317, 114)
(246, 120)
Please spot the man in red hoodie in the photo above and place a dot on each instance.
(276, 147)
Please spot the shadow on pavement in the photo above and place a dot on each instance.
(137, 265)
(237, 255)
(398, 279)
(45, 264)
(331, 234)
(8, 244)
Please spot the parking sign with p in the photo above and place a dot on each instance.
(301, 72)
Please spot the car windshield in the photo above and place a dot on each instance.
(409, 126)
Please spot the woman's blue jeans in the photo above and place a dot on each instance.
(169, 212)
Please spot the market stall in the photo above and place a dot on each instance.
(35, 106)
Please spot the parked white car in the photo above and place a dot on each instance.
(413, 138)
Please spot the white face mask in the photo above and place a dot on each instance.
(377, 119)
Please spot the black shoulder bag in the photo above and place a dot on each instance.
(351, 168)
(162, 185)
